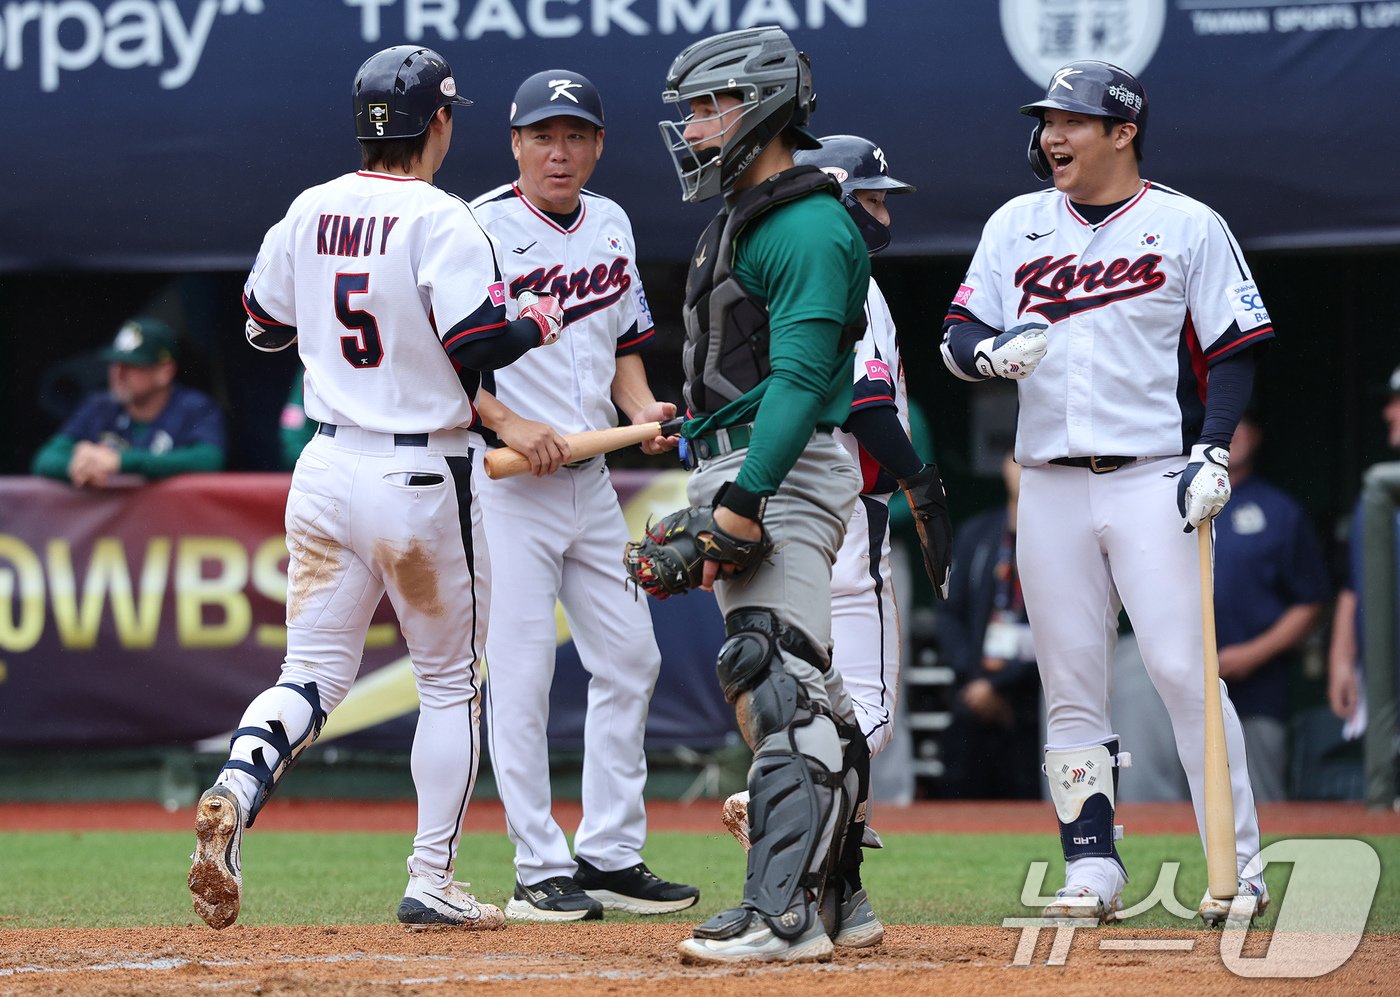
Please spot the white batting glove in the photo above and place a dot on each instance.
(545, 311)
(1013, 354)
(1204, 487)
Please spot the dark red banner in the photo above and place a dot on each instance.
(151, 615)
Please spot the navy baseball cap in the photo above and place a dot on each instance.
(142, 342)
(556, 93)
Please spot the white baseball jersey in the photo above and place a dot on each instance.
(879, 380)
(560, 536)
(381, 275)
(864, 610)
(590, 267)
(1137, 307)
(373, 338)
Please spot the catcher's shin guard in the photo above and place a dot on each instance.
(855, 798)
(791, 800)
(1084, 787)
(250, 745)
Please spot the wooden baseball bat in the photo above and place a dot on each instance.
(1221, 871)
(506, 463)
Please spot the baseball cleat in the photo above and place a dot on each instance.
(636, 890)
(426, 906)
(735, 817)
(558, 898)
(859, 928)
(216, 867)
(1250, 899)
(751, 940)
(1080, 903)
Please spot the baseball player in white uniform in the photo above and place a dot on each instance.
(864, 610)
(561, 534)
(392, 293)
(1128, 317)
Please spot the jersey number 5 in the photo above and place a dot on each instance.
(364, 350)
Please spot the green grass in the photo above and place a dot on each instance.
(136, 879)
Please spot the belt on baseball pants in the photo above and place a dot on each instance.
(727, 440)
(1099, 465)
(400, 439)
(722, 441)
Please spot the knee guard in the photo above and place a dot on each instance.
(1084, 788)
(753, 637)
(284, 749)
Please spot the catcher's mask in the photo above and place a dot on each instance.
(771, 79)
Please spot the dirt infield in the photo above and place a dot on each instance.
(971, 817)
(588, 960)
(628, 956)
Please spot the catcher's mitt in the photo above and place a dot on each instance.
(670, 558)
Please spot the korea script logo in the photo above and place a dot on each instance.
(1046, 284)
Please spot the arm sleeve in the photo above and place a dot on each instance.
(181, 460)
(505, 346)
(787, 414)
(1227, 394)
(880, 433)
(53, 458)
(810, 285)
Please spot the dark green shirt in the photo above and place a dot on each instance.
(806, 260)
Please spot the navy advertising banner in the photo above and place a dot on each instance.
(152, 615)
(170, 134)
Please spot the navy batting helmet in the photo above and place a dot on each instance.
(555, 93)
(1089, 87)
(397, 92)
(857, 164)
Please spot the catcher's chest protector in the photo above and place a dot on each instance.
(726, 328)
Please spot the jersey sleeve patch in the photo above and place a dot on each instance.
(1247, 306)
(878, 370)
(963, 296)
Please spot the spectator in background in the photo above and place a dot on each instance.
(1270, 586)
(294, 428)
(1344, 656)
(145, 424)
(993, 746)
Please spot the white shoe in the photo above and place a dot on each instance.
(1252, 901)
(735, 817)
(427, 906)
(216, 867)
(757, 943)
(1080, 903)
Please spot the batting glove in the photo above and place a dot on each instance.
(279, 337)
(545, 311)
(1204, 487)
(1014, 354)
